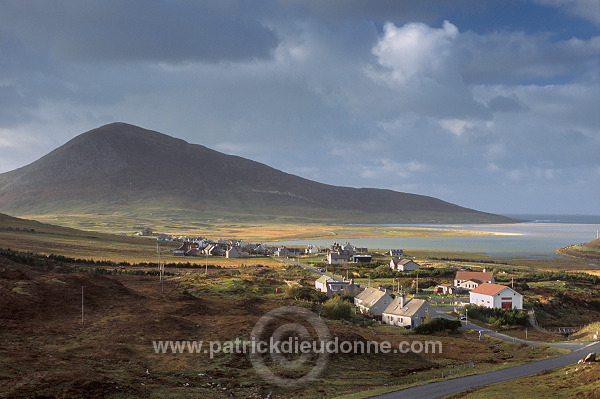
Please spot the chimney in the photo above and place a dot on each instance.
(402, 301)
(484, 269)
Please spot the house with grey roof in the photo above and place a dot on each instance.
(403, 265)
(372, 301)
(330, 286)
(406, 312)
(235, 252)
(338, 257)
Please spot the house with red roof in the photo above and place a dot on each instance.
(469, 280)
(496, 296)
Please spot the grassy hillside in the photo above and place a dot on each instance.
(32, 236)
(590, 250)
(48, 352)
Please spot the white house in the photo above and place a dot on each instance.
(407, 313)
(496, 296)
(285, 252)
(330, 286)
(235, 252)
(372, 301)
(403, 265)
(348, 247)
(396, 252)
(321, 283)
(469, 280)
(311, 249)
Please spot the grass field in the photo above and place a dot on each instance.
(247, 230)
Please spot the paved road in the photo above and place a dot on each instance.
(442, 388)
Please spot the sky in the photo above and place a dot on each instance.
(492, 105)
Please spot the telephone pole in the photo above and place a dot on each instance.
(161, 269)
(82, 305)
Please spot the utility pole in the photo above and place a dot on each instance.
(82, 305)
(158, 254)
(417, 290)
(161, 269)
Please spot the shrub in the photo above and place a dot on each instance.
(438, 324)
(304, 293)
(337, 308)
(498, 317)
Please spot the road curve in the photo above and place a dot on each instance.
(442, 388)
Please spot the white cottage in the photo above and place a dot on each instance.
(496, 296)
(372, 301)
(403, 265)
(469, 280)
(407, 313)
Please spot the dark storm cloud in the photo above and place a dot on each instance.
(415, 96)
(140, 30)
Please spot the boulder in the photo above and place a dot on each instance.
(591, 357)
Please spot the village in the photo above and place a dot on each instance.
(388, 306)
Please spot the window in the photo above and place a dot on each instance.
(507, 305)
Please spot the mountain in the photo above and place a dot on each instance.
(121, 169)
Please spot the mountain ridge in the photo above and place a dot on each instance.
(121, 168)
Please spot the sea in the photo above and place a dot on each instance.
(537, 237)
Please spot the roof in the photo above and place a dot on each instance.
(370, 296)
(481, 276)
(411, 306)
(365, 293)
(334, 282)
(323, 279)
(489, 289)
(402, 261)
(335, 255)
